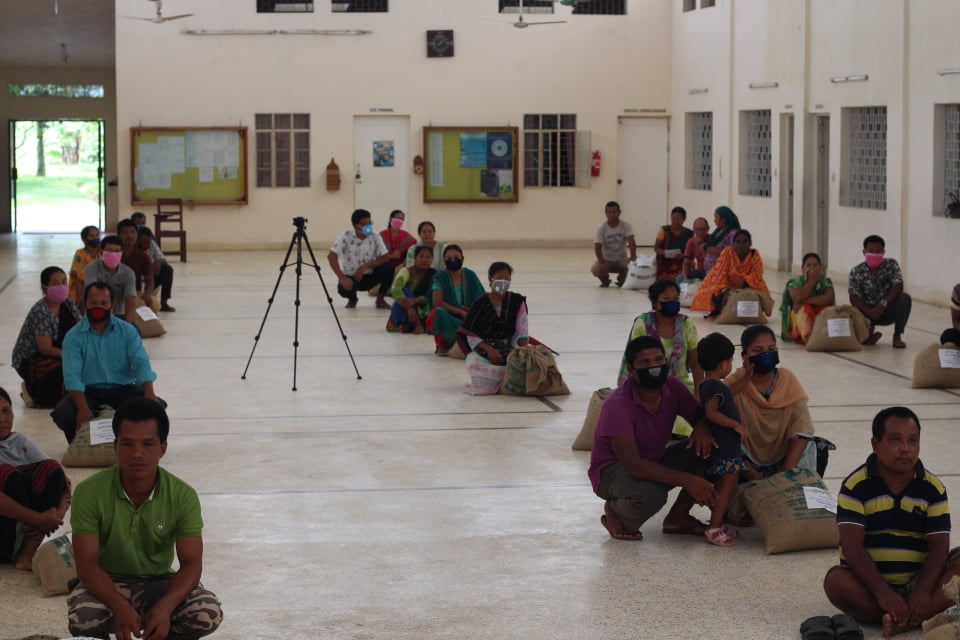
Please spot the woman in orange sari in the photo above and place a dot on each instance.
(738, 267)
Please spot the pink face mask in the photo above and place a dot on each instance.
(873, 259)
(57, 293)
(396, 223)
(112, 258)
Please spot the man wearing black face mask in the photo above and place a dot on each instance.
(631, 466)
(104, 363)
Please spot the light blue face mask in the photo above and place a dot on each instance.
(500, 286)
(368, 230)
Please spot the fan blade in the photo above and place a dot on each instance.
(533, 24)
(139, 18)
(169, 18)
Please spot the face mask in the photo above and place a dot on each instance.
(93, 243)
(396, 223)
(652, 377)
(500, 286)
(873, 259)
(57, 293)
(766, 362)
(98, 314)
(453, 264)
(112, 258)
(368, 230)
(670, 309)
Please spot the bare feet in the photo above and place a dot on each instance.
(688, 526)
(381, 303)
(611, 521)
(352, 304)
(891, 628)
(31, 542)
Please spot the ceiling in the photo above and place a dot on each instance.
(31, 32)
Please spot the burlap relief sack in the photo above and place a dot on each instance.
(584, 440)
(937, 366)
(532, 371)
(839, 328)
(81, 453)
(746, 306)
(778, 506)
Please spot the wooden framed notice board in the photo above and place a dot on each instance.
(200, 165)
(470, 164)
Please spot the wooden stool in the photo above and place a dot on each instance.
(170, 212)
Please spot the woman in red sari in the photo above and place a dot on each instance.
(396, 239)
(738, 267)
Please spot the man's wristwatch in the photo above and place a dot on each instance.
(883, 302)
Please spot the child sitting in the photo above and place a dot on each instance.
(715, 355)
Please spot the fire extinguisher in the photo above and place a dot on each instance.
(595, 165)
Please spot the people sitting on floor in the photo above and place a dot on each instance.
(894, 522)
(496, 323)
(128, 520)
(952, 335)
(876, 289)
(104, 363)
(34, 493)
(739, 267)
(632, 468)
(428, 236)
(162, 271)
(411, 294)
(610, 244)
(38, 350)
(804, 297)
(453, 292)
(670, 244)
(361, 262)
(83, 256)
(693, 255)
(138, 261)
(109, 270)
(397, 241)
(726, 224)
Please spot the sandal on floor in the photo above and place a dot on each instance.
(611, 522)
(719, 537)
(846, 627)
(899, 344)
(873, 339)
(817, 628)
(730, 531)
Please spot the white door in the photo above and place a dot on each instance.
(381, 165)
(642, 181)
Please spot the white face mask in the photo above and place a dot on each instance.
(500, 286)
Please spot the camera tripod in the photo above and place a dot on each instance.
(299, 239)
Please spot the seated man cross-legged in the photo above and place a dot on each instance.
(127, 521)
(894, 523)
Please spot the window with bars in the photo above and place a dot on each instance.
(283, 149)
(865, 183)
(689, 5)
(284, 6)
(601, 7)
(529, 6)
(550, 150)
(699, 162)
(950, 154)
(704, 4)
(755, 153)
(359, 6)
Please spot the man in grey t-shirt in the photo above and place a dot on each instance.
(118, 276)
(610, 244)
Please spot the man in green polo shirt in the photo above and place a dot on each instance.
(127, 521)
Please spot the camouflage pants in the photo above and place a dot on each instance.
(198, 615)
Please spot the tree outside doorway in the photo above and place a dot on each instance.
(58, 184)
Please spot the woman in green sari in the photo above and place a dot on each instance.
(804, 297)
(454, 290)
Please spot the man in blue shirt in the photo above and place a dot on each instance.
(104, 363)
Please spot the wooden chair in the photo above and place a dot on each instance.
(170, 213)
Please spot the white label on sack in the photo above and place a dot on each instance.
(949, 359)
(818, 498)
(748, 309)
(146, 314)
(838, 328)
(670, 254)
(101, 431)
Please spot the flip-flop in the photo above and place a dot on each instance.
(873, 339)
(899, 344)
(846, 628)
(694, 528)
(719, 537)
(817, 628)
(611, 522)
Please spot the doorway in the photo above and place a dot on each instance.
(642, 184)
(56, 177)
(381, 165)
(785, 261)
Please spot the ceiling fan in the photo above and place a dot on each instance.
(523, 24)
(160, 18)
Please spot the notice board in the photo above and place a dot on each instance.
(470, 164)
(200, 165)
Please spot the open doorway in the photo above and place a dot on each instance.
(57, 174)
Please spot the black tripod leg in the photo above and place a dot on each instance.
(326, 292)
(256, 339)
(299, 235)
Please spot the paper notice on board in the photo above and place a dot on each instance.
(818, 498)
(838, 328)
(949, 359)
(436, 159)
(206, 173)
(101, 431)
(228, 173)
(171, 153)
(748, 309)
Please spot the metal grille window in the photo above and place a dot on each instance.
(283, 149)
(707, 3)
(601, 7)
(951, 151)
(867, 158)
(529, 6)
(755, 148)
(700, 151)
(359, 6)
(284, 6)
(549, 150)
(689, 5)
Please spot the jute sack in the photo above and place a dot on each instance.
(746, 306)
(928, 369)
(839, 328)
(54, 564)
(779, 508)
(584, 440)
(532, 371)
(147, 322)
(946, 624)
(81, 453)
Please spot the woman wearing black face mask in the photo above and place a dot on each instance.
(674, 330)
(454, 290)
(773, 407)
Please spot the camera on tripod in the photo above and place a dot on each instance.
(300, 222)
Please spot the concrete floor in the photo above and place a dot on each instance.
(396, 506)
